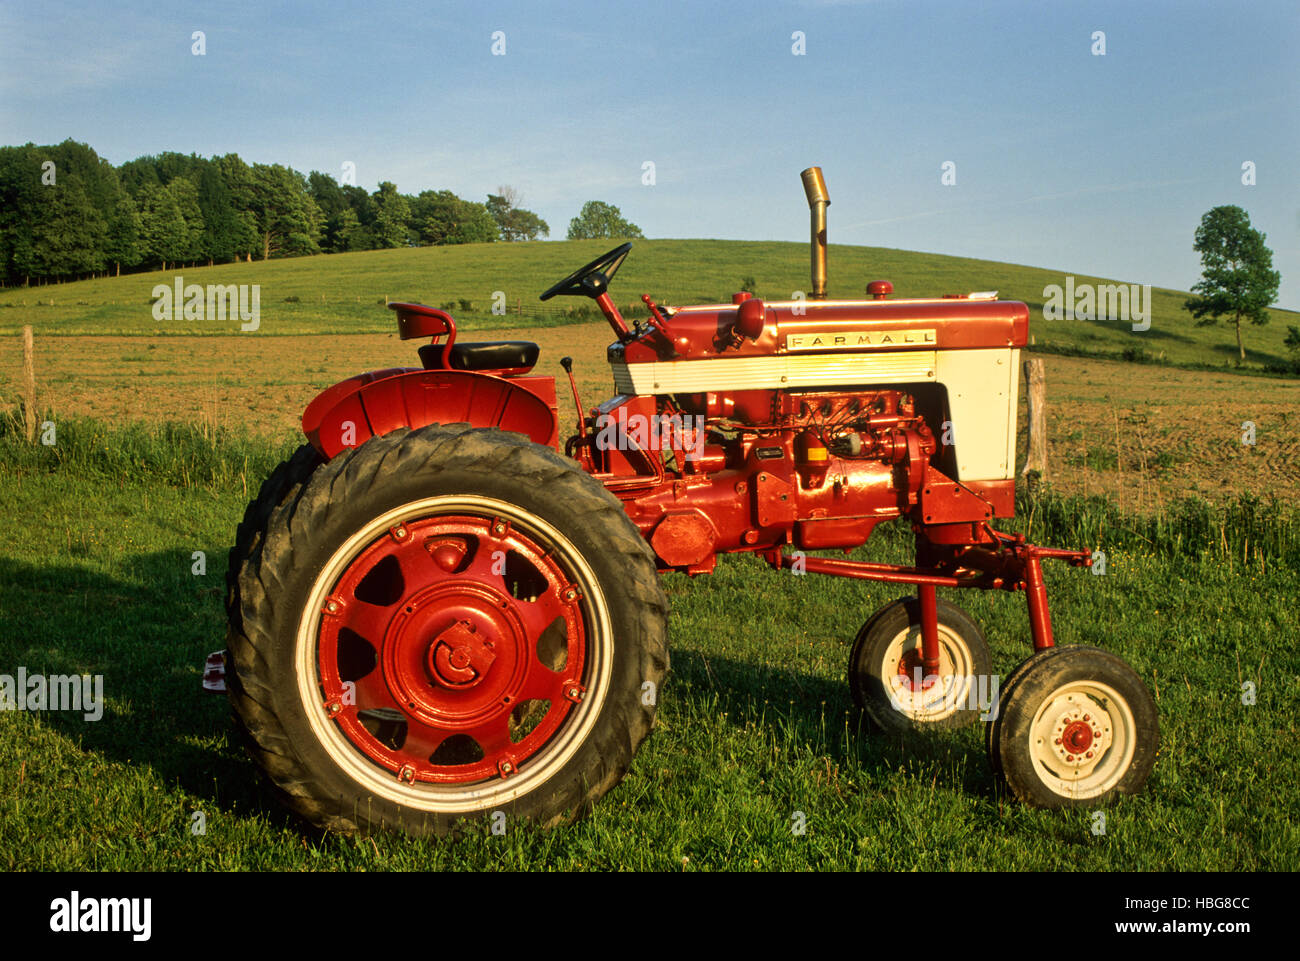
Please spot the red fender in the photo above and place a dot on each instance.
(352, 411)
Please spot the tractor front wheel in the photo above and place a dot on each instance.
(1077, 727)
(447, 623)
(886, 677)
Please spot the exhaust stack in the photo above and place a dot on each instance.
(818, 200)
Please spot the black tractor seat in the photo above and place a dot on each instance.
(512, 356)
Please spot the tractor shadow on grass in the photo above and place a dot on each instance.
(817, 718)
(147, 634)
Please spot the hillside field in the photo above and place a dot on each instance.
(345, 293)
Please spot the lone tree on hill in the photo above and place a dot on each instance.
(599, 219)
(1238, 279)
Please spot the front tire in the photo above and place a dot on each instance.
(448, 622)
(886, 658)
(1077, 728)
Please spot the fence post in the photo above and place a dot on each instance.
(29, 384)
(1036, 456)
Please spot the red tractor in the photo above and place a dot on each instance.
(442, 607)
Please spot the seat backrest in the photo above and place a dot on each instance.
(417, 320)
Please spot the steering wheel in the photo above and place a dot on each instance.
(591, 280)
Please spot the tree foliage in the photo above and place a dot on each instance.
(287, 218)
(122, 246)
(514, 222)
(162, 226)
(440, 217)
(1238, 279)
(391, 217)
(67, 213)
(599, 219)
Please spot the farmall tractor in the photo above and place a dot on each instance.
(442, 606)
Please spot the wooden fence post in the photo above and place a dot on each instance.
(29, 384)
(1036, 456)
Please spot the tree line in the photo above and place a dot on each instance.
(66, 213)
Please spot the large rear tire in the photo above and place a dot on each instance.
(445, 623)
(284, 483)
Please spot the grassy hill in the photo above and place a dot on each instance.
(345, 293)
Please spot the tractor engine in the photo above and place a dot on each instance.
(827, 432)
(712, 472)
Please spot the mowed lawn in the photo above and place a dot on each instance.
(755, 722)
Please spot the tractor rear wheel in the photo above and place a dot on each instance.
(886, 677)
(445, 623)
(1077, 727)
(283, 484)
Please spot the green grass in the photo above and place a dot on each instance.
(754, 722)
(344, 293)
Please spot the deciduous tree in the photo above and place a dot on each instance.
(1238, 280)
(599, 219)
(514, 222)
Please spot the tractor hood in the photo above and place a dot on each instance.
(830, 327)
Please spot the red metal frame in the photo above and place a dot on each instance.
(1013, 566)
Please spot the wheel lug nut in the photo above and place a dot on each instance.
(1069, 757)
(1058, 740)
(1089, 754)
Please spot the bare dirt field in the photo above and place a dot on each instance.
(1141, 435)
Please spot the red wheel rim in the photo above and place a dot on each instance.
(449, 637)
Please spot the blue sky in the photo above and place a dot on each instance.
(1089, 164)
